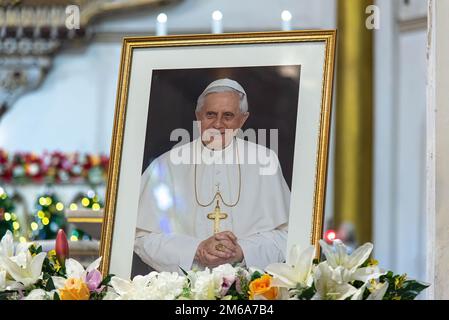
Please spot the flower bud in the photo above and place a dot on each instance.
(61, 247)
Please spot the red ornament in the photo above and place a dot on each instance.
(61, 247)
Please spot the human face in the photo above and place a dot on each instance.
(220, 118)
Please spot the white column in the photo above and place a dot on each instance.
(438, 151)
(385, 140)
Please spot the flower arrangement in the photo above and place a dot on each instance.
(28, 273)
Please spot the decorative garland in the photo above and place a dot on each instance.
(342, 276)
(55, 167)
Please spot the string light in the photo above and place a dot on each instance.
(162, 18)
(161, 27)
(286, 17)
(15, 225)
(217, 25)
(74, 236)
(34, 226)
(73, 206)
(42, 201)
(85, 202)
(41, 214)
(95, 207)
(91, 193)
(45, 221)
(7, 216)
(59, 206)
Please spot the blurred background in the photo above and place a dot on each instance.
(58, 80)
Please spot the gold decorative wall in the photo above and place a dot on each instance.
(354, 120)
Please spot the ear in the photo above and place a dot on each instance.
(244, 118)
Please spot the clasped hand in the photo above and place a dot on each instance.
(218, 249)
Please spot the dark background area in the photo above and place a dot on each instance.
(272, 93)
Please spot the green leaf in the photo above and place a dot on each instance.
(50, 285)
(256, 275)
(411, 289)
(305, 293)
(183, 271)
(106, 280)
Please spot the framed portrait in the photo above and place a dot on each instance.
(219, 150)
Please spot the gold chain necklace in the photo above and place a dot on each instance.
(218, 194)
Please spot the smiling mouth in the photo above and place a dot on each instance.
(216, 134)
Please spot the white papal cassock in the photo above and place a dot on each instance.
(171, 224)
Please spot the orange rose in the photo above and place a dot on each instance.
(262, 286)
(75, 289)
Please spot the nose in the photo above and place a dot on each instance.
(218, 123)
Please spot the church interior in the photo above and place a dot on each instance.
(58, 90)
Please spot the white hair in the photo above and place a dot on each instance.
(218, 89)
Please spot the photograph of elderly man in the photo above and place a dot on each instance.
(220, 204)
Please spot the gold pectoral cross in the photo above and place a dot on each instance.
(217, 215)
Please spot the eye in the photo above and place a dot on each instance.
(229, 116)
(210, 115)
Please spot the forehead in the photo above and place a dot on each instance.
(222, 99)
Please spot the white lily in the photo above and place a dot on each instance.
(7, 245)
(346, 267)
(2, 280)
(329, 289)
(13, 260)
(6, 283)
(378, 291)
(111, 295)
(24, 268)
(299, 273)
(358, 295)
(131, 290)
(39, 294)
(75, 270)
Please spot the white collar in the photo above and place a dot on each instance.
(225, 153)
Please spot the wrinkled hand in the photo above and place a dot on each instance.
(230, 251)
(228, 237)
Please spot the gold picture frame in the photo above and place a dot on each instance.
(327, 41)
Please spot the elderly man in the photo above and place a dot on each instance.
(222, 207)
